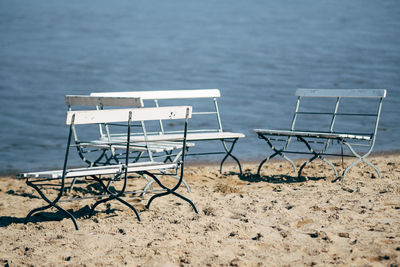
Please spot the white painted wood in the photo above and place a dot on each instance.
(164, 94)
(85, 100)
(122, 115)
(313, 134)
(190, 137)
(371, 93)
(102, 170)
(155, 147)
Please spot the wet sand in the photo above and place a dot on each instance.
(275, 220)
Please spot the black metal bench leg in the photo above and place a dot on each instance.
(316, 155)
(34, 211)
(229, 154)
(111, 197)
(264, 161)
(277, 152)
(149, 186)
(306, 163)
(50, 204)
(69, 215)
(168, 191)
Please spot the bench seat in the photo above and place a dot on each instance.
(101, 170)
(155, 147)
(178, 137)
(313, 134)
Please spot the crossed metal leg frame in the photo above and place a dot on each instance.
(105, 196)
(122, 192)
(111, 195)
(277, 152)
(228, 152)
(50, 203)
(281, 152)
(360, 158)
(106, 193)
(169, 157)
(318, 155)
(114, 157)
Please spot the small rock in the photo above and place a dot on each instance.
(314, 234)
(386, 257)
(345, 235)
(347, 189)
(234, 262)
(283, 234)
(209, 211)
(122, 231)
(232, 234)
(277, 189)
(257, 237)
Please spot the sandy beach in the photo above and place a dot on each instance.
(243, 220)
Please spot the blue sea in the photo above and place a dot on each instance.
(256, 52)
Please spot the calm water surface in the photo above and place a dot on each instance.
(256, 52)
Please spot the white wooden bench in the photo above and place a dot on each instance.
(118, 171)
(214, 133)
(104, 142)
(105, 150)
(335, 115)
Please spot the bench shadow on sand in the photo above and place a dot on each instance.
(54, 216)
(275, 179)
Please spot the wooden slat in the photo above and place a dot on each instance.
(164, 94)
(83, 100)
(370, 93)
(313, 134)
(102, 170)
(178, 137)
(155, 146)
(122, 115)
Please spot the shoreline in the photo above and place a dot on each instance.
(204, 163)
(243, 220)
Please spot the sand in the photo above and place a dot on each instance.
(276, 220)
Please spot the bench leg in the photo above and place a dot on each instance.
(277, 152)
(229, 154)
(316, 155)
(360, 159)
(168, 191)
(90, 163)
(149, 186)
(51, 204)
(111, 197)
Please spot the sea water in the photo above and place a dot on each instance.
(256, 52)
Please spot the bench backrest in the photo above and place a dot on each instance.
(122, 115)
(98, 103)
(108, 116)
(101, 101)
(196, 94)
(369, 101)
(164, 94)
